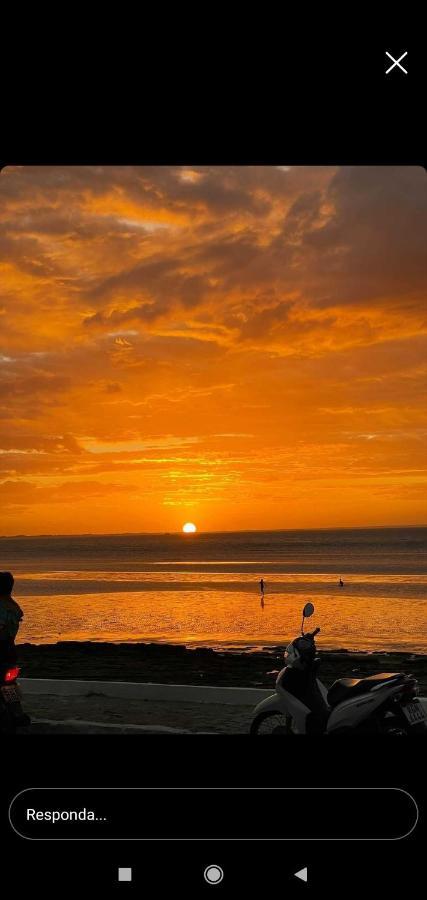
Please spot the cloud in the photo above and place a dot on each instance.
(24, 493)
(23, 443)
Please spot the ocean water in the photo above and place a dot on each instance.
(203, 589)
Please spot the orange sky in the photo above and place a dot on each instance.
(242, 347)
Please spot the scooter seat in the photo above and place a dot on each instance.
(346, 688)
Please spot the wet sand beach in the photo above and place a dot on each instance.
(204, 590)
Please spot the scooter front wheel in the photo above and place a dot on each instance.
(271, 722)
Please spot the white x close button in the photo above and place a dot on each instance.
(396, 63)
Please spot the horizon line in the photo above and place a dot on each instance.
(225, 531)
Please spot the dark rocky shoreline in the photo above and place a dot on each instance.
(177, 664)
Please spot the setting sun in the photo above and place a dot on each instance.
(189, 528)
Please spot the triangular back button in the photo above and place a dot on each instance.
(302, 874)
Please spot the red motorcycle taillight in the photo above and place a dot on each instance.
(12, 674)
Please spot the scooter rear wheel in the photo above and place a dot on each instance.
(271, 723)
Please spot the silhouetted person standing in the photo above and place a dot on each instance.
(10, 618)
(261, 584)
(341, 583)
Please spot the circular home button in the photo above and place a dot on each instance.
(213, 874)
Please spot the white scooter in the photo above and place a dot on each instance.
(384, 703)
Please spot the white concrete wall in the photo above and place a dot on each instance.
(173, 693)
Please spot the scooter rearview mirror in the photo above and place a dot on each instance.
(306, 613)
(308, 610)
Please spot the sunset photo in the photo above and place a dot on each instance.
(214, 417)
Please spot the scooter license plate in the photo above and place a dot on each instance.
(415, 713)
(10, 693)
